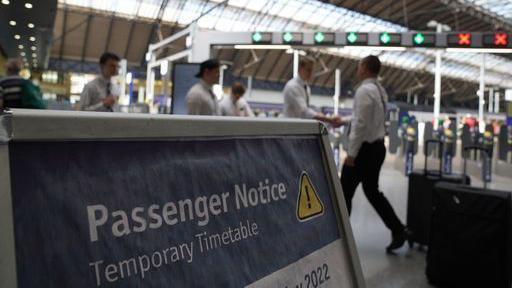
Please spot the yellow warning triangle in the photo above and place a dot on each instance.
(309, 204)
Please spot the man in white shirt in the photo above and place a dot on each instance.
(100, 94)
(235, 104)
(366, 150)
(200, 98)
(297, 93)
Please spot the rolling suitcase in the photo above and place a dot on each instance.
(419, 199)
(471, 236)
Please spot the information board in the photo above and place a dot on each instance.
(183, 78)
(245, 211)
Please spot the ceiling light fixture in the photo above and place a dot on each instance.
(478, 50)
(375, 48)
(30, 25)
(28, 5)
(20, 46)
(34, 55)
(32, 38)
(280, 47)
(33, 48)
(12, 23)
(17, 37)
(6, 2)
(22, 54)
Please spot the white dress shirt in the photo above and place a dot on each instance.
(201, 100)
(296, 99)
(368, 117)
(238, 108)
(95, 91)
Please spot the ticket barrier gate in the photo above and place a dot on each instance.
(503, 165)
(450, 142)
(411, 147)
(478, 162)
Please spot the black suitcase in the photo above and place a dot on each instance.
(419, 199)
(471, 237)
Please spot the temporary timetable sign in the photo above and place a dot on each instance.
(217, 203)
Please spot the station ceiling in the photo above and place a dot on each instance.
(26, 29)
(459, 15)
(83, 29)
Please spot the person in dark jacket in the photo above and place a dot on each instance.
(17, 91)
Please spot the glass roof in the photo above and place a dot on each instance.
(502, 8)
(299, 15)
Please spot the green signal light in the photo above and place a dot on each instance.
(385, 38)
(256, 37)
(419, 39)
(352, 37)
(319, 37)
(287, 37)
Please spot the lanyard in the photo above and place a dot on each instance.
(382, 100)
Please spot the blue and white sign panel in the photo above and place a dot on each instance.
(204, 212)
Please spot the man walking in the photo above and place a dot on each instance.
(366, 150)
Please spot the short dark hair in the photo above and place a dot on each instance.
(238, 89)
(208, 64)
(372, 63)
(108, 56)
(304, 61)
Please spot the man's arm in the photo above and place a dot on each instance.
(248, 110)
(193, 103)
(86, 100)
(244, 107)
(297, 103)
(222, 106)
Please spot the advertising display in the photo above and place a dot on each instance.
(185, 208)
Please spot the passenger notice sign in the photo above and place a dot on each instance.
(191, 212)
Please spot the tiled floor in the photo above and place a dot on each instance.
(407, 268)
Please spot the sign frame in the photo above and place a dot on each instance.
(24, 125)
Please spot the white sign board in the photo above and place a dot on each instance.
(508, 95)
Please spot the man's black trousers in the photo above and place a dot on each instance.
(366, 171)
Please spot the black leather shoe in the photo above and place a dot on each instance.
(398, 240)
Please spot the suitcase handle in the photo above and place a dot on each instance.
(474, 148)
(425, 152)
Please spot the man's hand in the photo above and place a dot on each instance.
(109, 101)
(336, 121)
(349, 161)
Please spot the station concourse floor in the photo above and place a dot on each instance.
(407, 267)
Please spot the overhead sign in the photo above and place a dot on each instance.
(354, 38)
(183, 212)
(495, 40)
(424, 39)
(393, 39)
(261, 38)
(292, 38)
(508, 95)
(478, 40)
(322, 38)
(459, 40)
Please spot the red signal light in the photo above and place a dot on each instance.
(464, 39)
(500, 39)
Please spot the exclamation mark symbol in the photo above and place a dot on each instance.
(307, 195)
